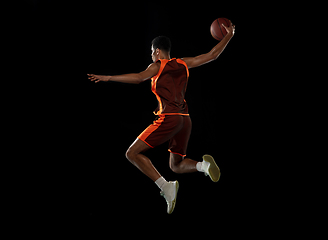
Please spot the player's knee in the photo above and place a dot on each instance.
(175, 161)
(175, 167)
(129, 154)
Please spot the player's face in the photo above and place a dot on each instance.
(154, 55)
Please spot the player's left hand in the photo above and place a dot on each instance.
(230, 30)
(98, 78)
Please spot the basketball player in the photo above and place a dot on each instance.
(169, 77)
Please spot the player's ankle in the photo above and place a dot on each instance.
(199, 166)
(161, 182)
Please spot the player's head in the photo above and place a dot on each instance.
(160, 43)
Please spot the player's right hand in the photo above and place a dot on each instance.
(98, 78)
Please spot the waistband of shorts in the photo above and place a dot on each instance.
(171, 114)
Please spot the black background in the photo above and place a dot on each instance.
(83, 129)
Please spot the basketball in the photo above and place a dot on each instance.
(217, 30)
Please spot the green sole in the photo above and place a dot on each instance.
(214, 170)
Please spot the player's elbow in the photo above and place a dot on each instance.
(214, 56)
(135, 81)
(138, 79)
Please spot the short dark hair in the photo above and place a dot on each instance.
(162, 42)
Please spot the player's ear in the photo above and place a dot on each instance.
(157, 51)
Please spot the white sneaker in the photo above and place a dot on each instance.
(170, 192)
(210, 168)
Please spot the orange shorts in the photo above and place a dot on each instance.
(176, 128)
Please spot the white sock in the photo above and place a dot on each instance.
(161, 182)
(202, 166)
(199, 167)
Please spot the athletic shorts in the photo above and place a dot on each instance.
(173, 128)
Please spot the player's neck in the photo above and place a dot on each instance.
(164, 56)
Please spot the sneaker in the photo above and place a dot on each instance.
(210, 168)
(170, 192)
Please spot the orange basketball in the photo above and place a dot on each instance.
(217, 30)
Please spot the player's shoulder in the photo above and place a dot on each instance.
(180, 60)
(153, 68)
(155, 65)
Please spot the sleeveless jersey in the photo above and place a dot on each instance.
(169, 86)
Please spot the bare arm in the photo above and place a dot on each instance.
(214, 53)
(134, 78)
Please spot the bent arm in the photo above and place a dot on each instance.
(133, 78)
(211, 55)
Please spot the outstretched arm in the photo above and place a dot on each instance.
(214, 53)
(134, 78)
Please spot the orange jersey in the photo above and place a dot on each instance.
(170, 85)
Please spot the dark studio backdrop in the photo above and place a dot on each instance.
(86, 127)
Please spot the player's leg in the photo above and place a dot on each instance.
(178, 148)
(169, 189)
(143, 163)
(180, 164)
